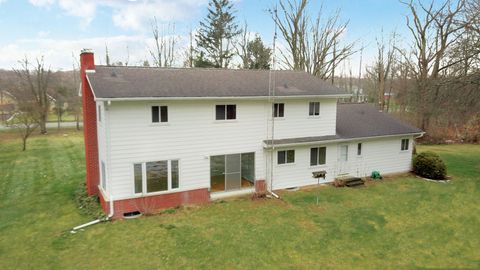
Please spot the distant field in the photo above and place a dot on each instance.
(401, 222)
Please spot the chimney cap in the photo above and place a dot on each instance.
(86, 51)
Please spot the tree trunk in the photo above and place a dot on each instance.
(24, 140)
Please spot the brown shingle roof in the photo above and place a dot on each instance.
(138, 82)
(358, 121)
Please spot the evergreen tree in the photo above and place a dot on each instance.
(259, 54)
(216, 33)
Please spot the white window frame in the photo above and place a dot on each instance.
(318, 156)
(407, 145)
(103, 176)
(99, 113)
(150, 115)
(361, 149)
(308, 109)
(226, 112)
(278, 110)
(144, 177)
(286, 157)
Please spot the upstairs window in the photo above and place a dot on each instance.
(159, 114)
(278, 110)
(318, 156)
(314, 109)
(226, 112)
(359, 149)
(286, 156)
(405, 143)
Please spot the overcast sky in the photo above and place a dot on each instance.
(59, 29)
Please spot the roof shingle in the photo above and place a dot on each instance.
(139, 82)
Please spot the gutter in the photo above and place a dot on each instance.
(93, 222)
(267, 146)
(214, 98)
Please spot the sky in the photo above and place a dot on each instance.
(57, 30)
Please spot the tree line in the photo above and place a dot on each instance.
(430, 78)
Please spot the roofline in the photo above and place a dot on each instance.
(267, 146)
(216, 97)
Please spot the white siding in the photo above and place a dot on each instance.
(382, 154)
(102, 139)
(297, 122)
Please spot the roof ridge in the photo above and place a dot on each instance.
(203, 69)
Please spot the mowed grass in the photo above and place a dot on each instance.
(400, 222)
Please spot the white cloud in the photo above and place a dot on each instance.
(60, 53)
(132, 15)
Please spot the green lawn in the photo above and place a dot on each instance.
(399, 223)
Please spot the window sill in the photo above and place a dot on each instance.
(286, 164)
(320, 166)
(225, 121)
(159, 124)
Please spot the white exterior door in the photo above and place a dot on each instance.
(343, 159)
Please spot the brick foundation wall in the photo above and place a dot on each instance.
(89, 125)
(157, 202)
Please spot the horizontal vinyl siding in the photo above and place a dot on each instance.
(191, 136)
(383, 155)
(297, 122)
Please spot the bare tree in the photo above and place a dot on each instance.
(164, 41)
(34, 85)
(434, 30)
(382, 68)
(24, 122)
(241, 46)
(313, 46)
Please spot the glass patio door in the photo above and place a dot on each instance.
(233, 178)
(231, 172)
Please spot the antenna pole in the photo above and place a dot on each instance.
(271, 94)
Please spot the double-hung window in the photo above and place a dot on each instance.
(226, 112)
(159, 114)
(405, 143)
(156, 176)
(278, 110)
(359, 149)
(318, 156)
(286, 156)
(314, 109)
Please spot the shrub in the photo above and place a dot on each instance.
(88, 205)
(429, 165)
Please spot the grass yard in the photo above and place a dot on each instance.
(398, 223)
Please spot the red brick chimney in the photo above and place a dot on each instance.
(89, 124)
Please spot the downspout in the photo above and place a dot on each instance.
(93, 222)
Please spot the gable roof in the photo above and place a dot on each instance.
(355, 121)
(138, 82)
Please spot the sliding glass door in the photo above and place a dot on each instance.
(231, 172)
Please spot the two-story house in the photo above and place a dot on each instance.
(162, 137)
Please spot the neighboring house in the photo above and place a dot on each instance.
(162, 137)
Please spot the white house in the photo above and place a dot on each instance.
(161, 137)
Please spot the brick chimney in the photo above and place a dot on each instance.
(89, 124)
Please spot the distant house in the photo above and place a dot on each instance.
(163, 137)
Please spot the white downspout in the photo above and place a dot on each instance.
(110, 215)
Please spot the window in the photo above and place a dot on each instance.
(344, 153)
(137, 174)
(99, 112)
(156, 176)
(318, 156)
(226, 112)
(159, 114)
(359, 149)
(314, 109)
(285, 156)
(278, 110)
(405, 143)
(103, 176)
